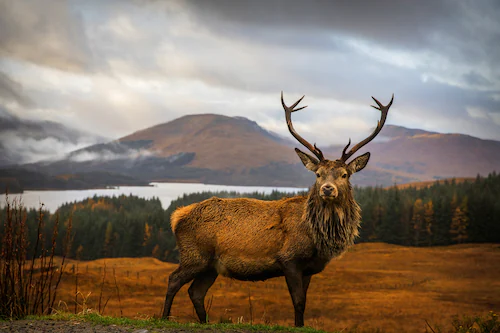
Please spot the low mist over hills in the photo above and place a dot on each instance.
(26, 141)
(234, 150)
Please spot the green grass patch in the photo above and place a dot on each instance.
(154, 323)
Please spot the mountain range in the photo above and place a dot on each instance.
(218, 149)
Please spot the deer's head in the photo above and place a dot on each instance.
(332, 177)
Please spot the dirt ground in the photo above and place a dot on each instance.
(74, 326)
(52, 326)
(61, 326)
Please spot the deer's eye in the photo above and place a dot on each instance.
(317, 175)
(344, 175)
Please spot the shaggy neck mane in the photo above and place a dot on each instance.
(334, 225)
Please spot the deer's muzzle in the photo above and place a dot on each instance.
(329, 191)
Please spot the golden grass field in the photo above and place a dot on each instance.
(373, 286)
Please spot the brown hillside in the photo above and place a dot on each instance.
(418, 155)
(438, 155)
(220, 142)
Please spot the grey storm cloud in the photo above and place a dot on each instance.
(114, 67)
(460, 31)
(476, 79)
(47, 33)
(392, 21)
(12, 91)
(470, 27)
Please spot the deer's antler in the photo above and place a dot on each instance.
(288, 115)
(384, 110)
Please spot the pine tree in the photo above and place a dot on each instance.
(417, 221)
(108, 241)
(429, 220)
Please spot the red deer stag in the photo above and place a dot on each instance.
(254, 240)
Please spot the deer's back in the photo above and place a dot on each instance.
(240, 215)
(243, 234)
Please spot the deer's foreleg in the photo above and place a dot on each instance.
(297, 286)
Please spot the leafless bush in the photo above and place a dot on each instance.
(29, 287)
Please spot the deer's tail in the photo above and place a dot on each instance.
(179, 215)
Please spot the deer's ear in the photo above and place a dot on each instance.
(358, 163)
(309, 162)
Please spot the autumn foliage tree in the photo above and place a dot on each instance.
(459, 223)
(428, 221)
(417, 220)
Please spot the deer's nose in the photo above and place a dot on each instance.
(329, 190)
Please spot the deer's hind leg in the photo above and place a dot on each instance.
(188, 270)
(198, 290)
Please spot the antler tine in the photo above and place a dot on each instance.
(380, 105)
(384, 109)
(288, 115)
(346, 146)
(294, 104)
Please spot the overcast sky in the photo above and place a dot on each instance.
(114, 67)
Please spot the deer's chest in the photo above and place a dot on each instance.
(314, 265)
